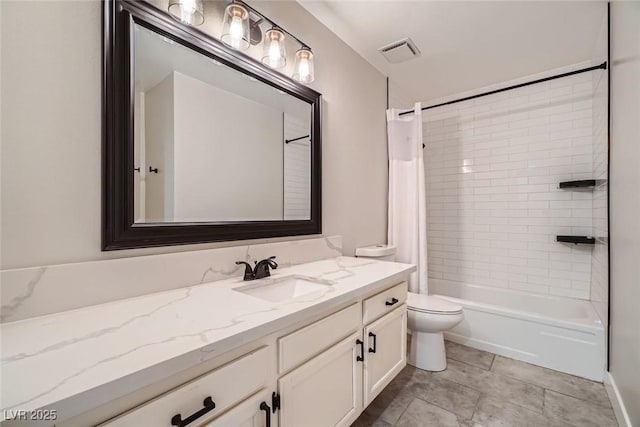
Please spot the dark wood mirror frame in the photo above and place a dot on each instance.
(119, 231)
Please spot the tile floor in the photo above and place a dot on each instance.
(483, 389)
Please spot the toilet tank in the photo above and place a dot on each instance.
(380, 252)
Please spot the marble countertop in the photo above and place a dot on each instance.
(77, 360)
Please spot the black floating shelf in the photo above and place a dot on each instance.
(584, 183)
(584, 240)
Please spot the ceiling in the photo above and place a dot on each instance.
(465, 44)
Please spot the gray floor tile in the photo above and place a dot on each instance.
(552, 380)
(366, 420)
(453, 397)
(390, 404)
(509, 394)
(493, 384)
(469, 355)
(421, 414)
(394, 399)
(495, 413)
(410, 374)
(577, 412)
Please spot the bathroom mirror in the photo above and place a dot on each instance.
(202, 143)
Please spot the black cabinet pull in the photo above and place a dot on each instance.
(361, 344)
(209, 405)
(267, 413)
(373, 350)
(275, 402)
(392, 302)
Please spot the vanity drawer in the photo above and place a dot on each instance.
(382, 303)
(301, 345)
(226, 386)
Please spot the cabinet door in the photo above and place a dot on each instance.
(326, 391)
(252, 412)
(385, 351)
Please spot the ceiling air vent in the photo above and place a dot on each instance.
(400, 51)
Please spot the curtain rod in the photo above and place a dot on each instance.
(570, 73)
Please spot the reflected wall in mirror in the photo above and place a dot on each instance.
(201, 143)
(211, 143)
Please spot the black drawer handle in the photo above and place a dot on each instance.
(375, 345)
(267, 413)
(392, 302)
(361, 344)
(209, 405)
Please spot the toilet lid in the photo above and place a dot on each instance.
(431, 304)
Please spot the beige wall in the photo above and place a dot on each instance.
(625, 204)
(51, 142)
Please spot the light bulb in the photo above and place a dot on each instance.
(186, 15)
(188, 12)
(189, 6)
(235, 31)
(235, 27)
(303, 70)
(274, 50)
(274, 53)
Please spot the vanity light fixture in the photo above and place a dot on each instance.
(241, 29)
(274, 52)
(303, 68)
(188, 12)
(235, 26)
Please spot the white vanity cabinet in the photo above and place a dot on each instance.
(319, 373)
(333, 388)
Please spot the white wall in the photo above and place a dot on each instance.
(600, 147)
(398, 98)
(625, 204)
(51, 137)
(223, 172)
(492, 167)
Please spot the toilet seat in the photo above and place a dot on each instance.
(431, 304)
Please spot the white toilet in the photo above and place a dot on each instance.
(427, 318)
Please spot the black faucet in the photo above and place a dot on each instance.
(261, 269)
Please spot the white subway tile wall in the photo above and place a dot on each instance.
(492, 167)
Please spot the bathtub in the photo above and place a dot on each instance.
(557, 333)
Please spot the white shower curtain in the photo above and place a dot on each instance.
(407, 206)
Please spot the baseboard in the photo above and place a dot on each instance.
(616, 401)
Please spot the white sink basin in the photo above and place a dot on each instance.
(285, 288)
